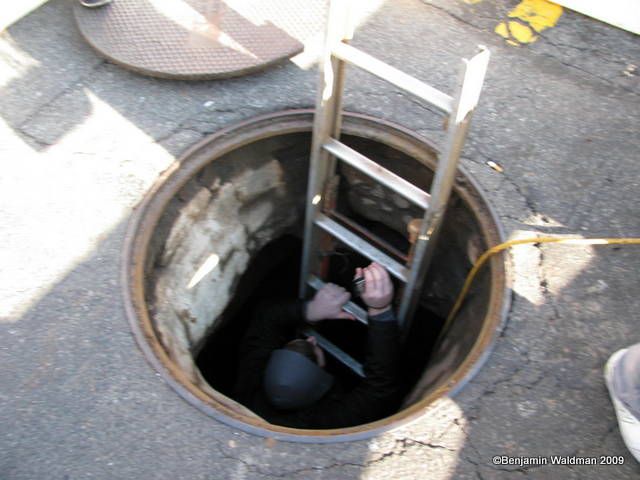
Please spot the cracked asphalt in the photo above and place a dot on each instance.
(83, 140)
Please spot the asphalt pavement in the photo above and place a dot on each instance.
(82, 140)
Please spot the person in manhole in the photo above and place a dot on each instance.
(282, 378)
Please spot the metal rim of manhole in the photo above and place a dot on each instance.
(147, 214)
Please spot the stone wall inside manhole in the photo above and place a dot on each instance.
(230, 236)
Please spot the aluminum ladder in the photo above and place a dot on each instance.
(326, 149)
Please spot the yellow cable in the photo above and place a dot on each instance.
(512, 243)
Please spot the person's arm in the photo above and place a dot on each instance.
(377, 391)
(274, 325)
(376, 394)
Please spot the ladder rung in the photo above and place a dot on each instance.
(349, 307)
(391, 74)
(334, 350)
(361, 246)
(377, 172)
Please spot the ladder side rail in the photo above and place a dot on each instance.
(472, 78)
(327, 122)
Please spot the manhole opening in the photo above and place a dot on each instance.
(277, 267)
(222, 231)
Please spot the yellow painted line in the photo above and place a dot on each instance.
(530, 18)
(540, 14)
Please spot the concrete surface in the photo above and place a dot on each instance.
(82, 140)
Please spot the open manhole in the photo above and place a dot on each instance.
(221, 230)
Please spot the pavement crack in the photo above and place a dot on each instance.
(505, 328)
(507, 178)
(422, 105)
(544, 284)
(477, 464)
(605, 80)
(200, 123)
(400, 448)
(511, 217)
(560, 45)
(403, 445)
(410, 442)
(491, 389)
(522, 470)
(530, 205)
(454, 16)
(178, 129)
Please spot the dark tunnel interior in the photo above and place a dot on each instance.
(277, 266)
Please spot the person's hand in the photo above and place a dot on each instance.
(378, 289)
(327, 303)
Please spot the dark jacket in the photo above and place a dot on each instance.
(371, 399)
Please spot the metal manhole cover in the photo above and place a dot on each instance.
(200, 39)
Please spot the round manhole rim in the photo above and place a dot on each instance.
(147, 213)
